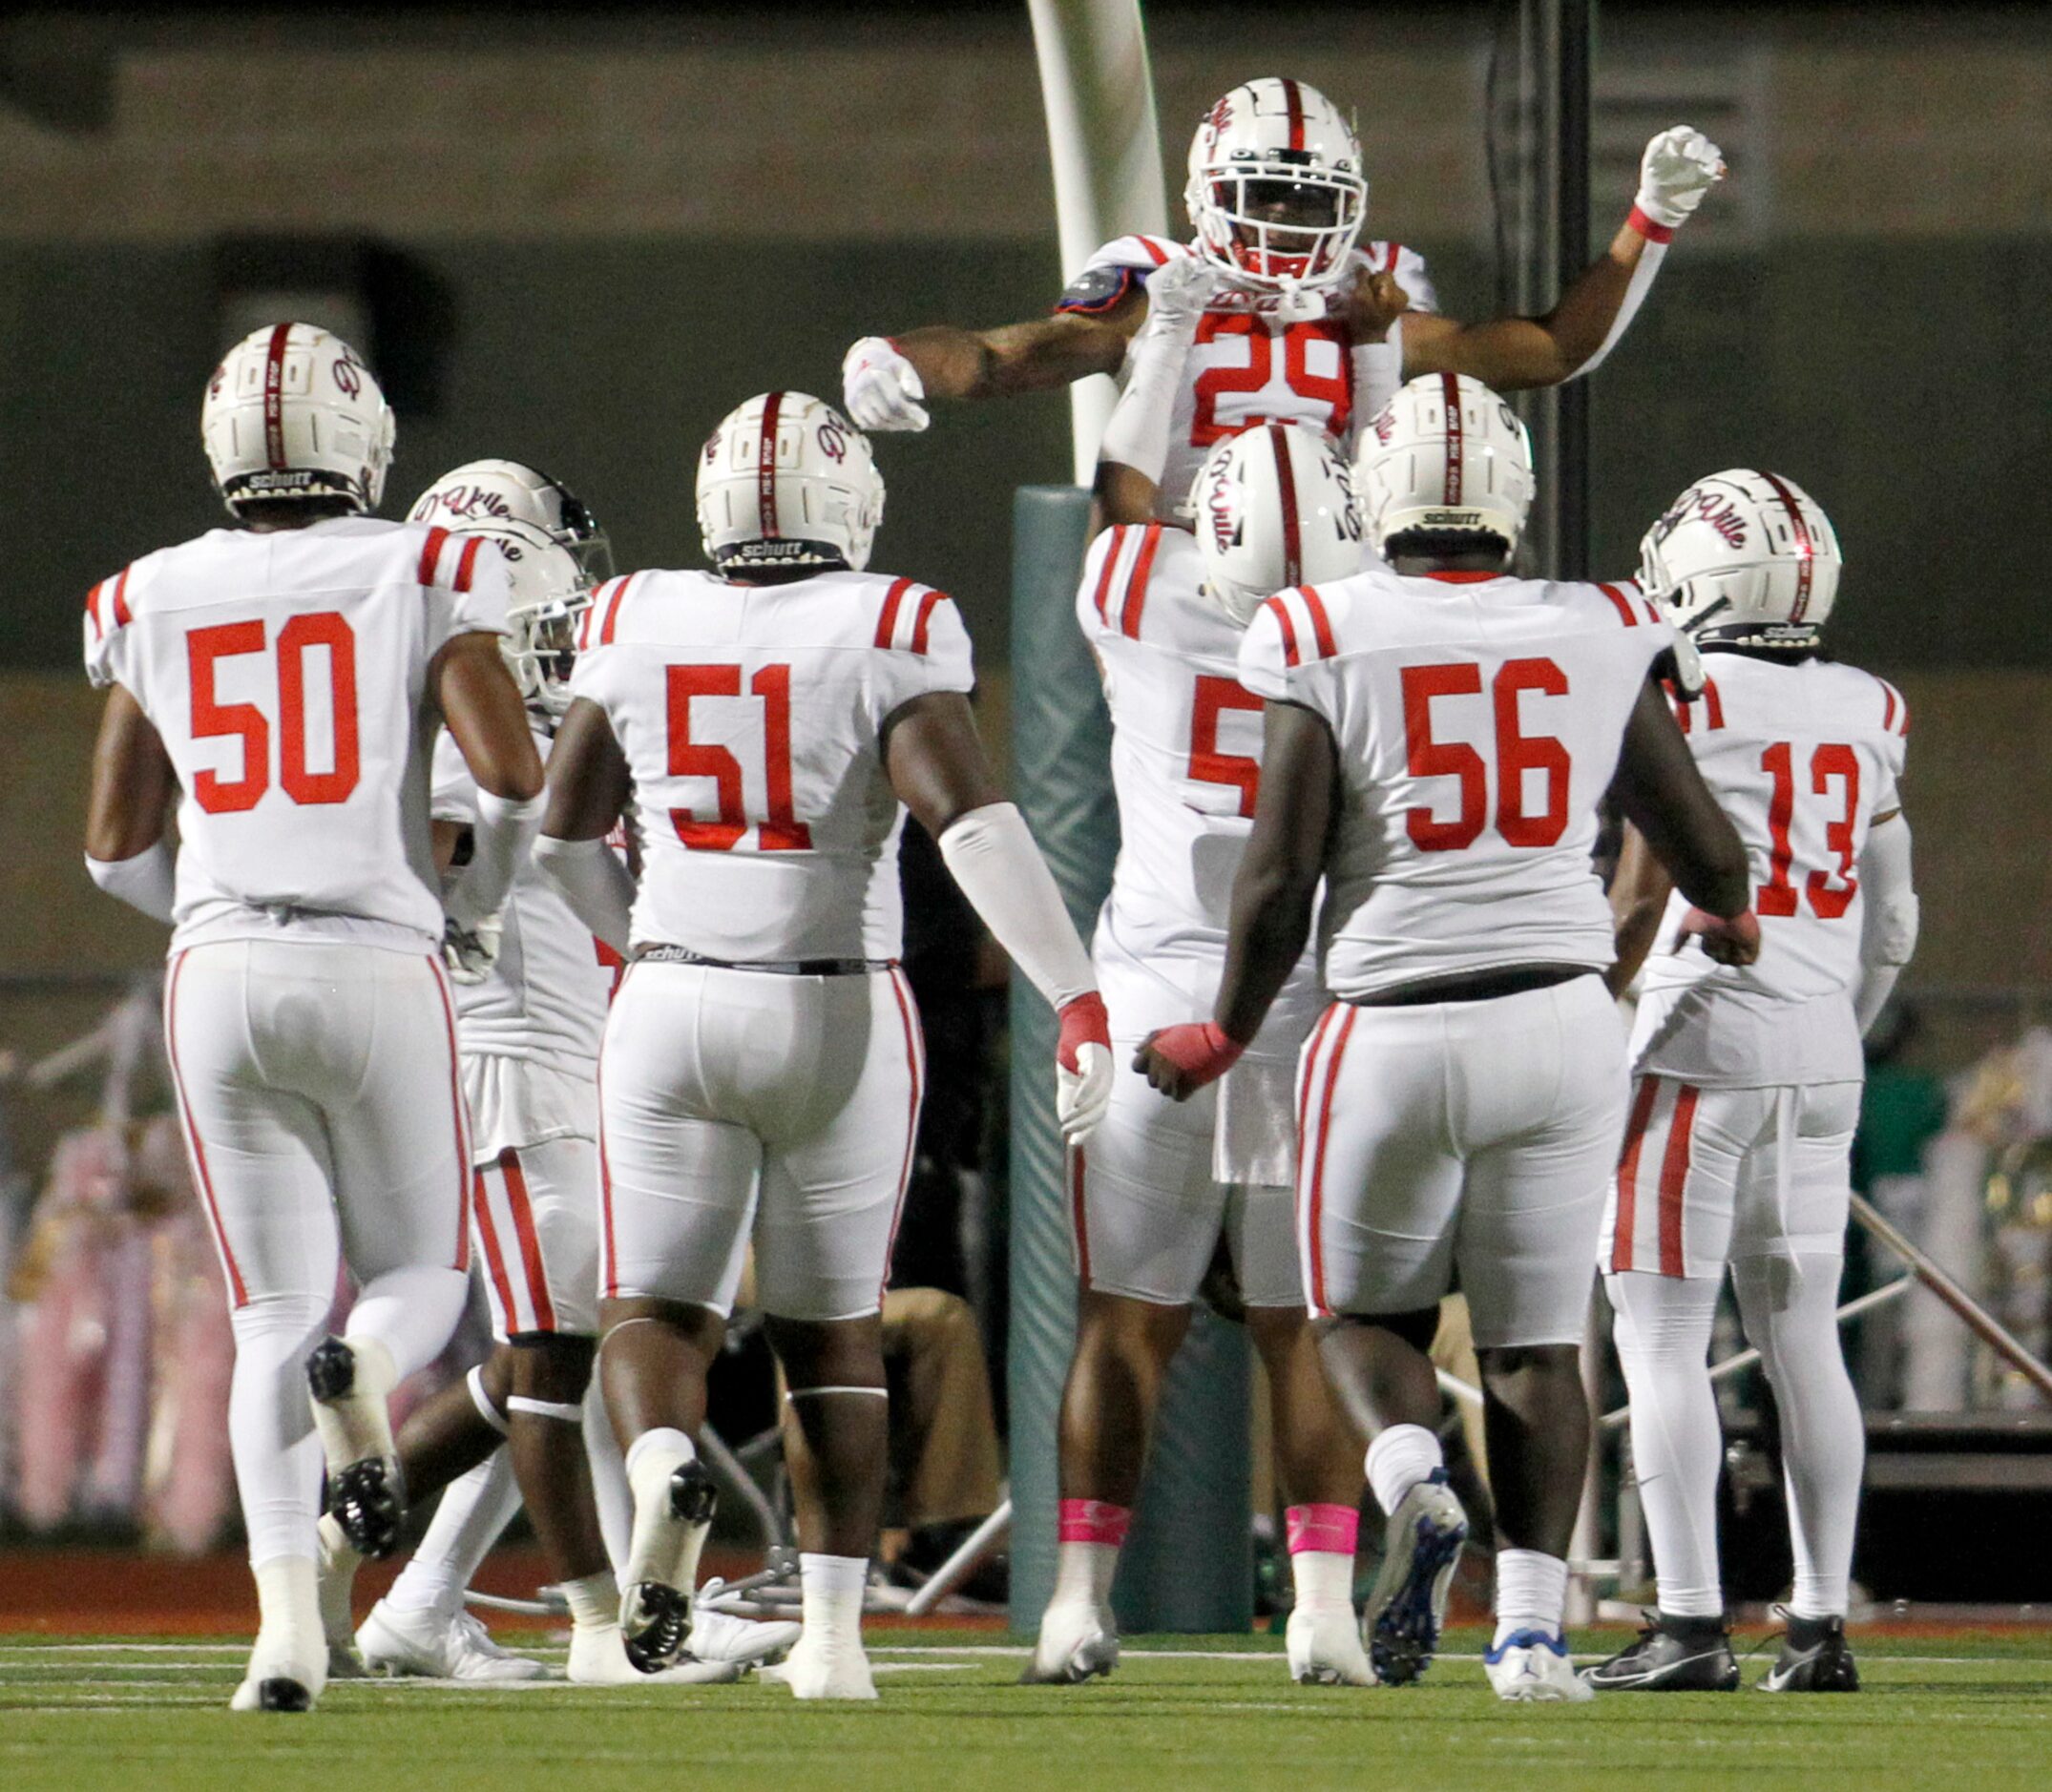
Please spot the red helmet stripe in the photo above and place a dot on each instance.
(765, 466)
(274, 397)
(1455, 447)
(1293, 100)
(1806, 549)
(1285, 485)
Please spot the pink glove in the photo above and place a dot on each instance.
(1181, 1060)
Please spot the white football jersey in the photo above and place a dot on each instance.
(545, 996)
(1802, 757)
(1478, 720)
(1246, 368)
(286, 673)
(752, 717)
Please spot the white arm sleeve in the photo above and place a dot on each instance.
(503, 833)
(146, 882)
(1641, 282)
(598, 886)
(993, 860)
(1888, 935)
(1137, 436)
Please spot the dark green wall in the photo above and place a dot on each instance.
(1904, 384)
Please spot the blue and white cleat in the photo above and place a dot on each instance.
(1534, 1667)
(1421, 1550)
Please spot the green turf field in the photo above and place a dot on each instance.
(1967, 1714)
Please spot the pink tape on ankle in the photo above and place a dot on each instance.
(1095, 1521)
(1326, 1527)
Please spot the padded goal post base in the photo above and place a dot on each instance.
(1188, 1562)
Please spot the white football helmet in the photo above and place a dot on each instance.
(493, 491)
(292, 413)
(786, 481)
(1277, 193)
(1747, 557)
(1446, 456)
(1274, 509)
(550, 592)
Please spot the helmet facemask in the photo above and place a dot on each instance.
(1279, 227)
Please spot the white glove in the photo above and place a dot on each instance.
(880, 389)
(1679, 167)
(471, 952)
(1179, 294)
(1082, 1067)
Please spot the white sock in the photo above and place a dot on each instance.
(288, 1604)
(1663, 1334)
(1792, 1319)
(475, 1508)
(832, 1588)
(1531, 1593)
(1083, 1573)
(675, 1447)
(593, 1601)
(1398, 1460)
(1324, 1580)
(339, 1563)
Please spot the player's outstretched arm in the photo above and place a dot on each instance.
(589, 787)
(1664, 796)
(883, 379)
(133, 787)
(1135, 449)
(1887, 928)
(1679, 168)
(937, 768)
(1272, 898)
(1637, 899)
(486, 716)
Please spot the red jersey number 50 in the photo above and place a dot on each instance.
(204, 650)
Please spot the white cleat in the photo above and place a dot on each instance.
(824, 1670)
(1534, 1667)
(598, 1658)
(1077, 1643)
(424, 1643)
(280, 1678)
(721, 1636)
(1408, 1607)
(1325, 1648)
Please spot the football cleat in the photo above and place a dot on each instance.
(280, 1692)
(367, 1500)
(721, 1637)
(1325, 1650)
(423, 1642)
(281, 1677)
(1815, 1658)
(366, 1495)
(824, 1670)
(598, 1658)
(653, 1621)
(1407, 1606)
(1077, 1643)
(654, 1613)
(1533, 1667)
(1673, 1655)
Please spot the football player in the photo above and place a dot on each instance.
(1437, 738)
(1746, 1079)
(1159, 1180)
(531, 1003)
(282, 684)
(761, 1071)
(1308, 324)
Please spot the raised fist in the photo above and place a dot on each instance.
(1179, 294)
(1679, 167)
(880, 390)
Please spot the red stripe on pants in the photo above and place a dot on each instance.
(522, 1208)
(1674, 1179)
(1635, 1130)
(238, 1291)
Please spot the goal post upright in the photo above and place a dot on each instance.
(1187, 1563)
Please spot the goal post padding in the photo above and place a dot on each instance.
(1187, 1565)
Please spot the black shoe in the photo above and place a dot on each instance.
(282, 1695)
(1815, 1658)
(1673, 1655)
(367, 1500)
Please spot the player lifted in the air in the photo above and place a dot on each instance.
(1438, 737)
(771, 722)
(282, 682)
(532, 987)
(1309, 323)
(1747, 1079)
(1159, 1180)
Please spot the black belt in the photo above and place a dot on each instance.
(1481, 986)
(776, 967)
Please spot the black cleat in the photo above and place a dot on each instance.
(367, 1500)
(1815, 1658)
(655, 1622)
(693, 1495)
(331, 1370)
(282, 1695)
(1673, 1655)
